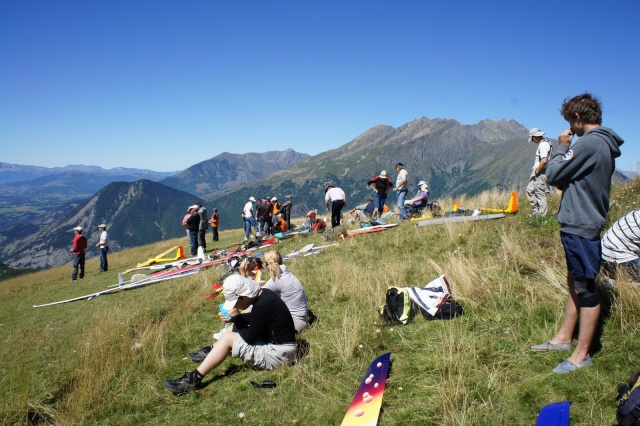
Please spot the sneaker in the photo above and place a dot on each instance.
(200, 355)
(548, 346)
(567, 367)
(187, 383)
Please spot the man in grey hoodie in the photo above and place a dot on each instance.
(583, 172)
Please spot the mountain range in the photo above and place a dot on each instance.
(453, 158)
(138, 212)
(10, 173)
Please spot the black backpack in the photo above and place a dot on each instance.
(398, 307)
(628, 413)
(449, 309)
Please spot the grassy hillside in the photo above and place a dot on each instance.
(103, 361)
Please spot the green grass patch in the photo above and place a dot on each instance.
(103, 361)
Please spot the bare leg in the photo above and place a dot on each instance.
(588, 323)
(220, 351)
(571, 313)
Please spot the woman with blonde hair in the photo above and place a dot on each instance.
(283, 283)
(288, 287)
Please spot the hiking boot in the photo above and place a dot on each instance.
(187, 383)
(201, 354)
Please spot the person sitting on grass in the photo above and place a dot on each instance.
(281, 225)
(621, 246)
(263, 338)
(287, 286)
(363, 214)
(284, 284)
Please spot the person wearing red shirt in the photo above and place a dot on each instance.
(79, 245)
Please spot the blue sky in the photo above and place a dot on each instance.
(163, 85)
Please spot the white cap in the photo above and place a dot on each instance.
(383, 174)
(102, 225)
(252, 199)
(274, 199)
(535, 132)
(236, 286)
(78, 228)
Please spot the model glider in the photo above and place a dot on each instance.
(307, 251)
(512, 207)
(365, 407)
(289, 234)
(163, 257)
(369, 229)
(143, 282)
(297, 253)
(459, 219)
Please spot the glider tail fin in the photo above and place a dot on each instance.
(513, 203)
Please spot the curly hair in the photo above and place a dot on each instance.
(587, 106)
(273, 260)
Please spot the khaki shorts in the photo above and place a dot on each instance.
(264, 355)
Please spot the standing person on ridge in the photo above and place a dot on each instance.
(276, 209)
(184, 220)
(338, 200)
(103, 243)
(262, 210)
(537, 187)
(79, 245)
(583, 172)
(402, 187)
(247, 213)
(215, 219)
(286, 211)
(380, 185)
(193, 226)
(204, 224)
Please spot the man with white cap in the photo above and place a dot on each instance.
(422, 197)
(249, 220)
(537, 187)
(380, 185)
(79, 245)
(103, 243)
(263, 338)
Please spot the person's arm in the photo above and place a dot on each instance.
(402, 182)
(259, 320)
(540, 168)
(240, 321)
(568, 163)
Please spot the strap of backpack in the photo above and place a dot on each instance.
(631, 418)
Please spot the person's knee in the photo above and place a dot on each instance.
(587, 295)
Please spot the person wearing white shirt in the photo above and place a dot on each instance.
(103, 243)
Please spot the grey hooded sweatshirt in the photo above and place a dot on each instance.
(583, 172)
